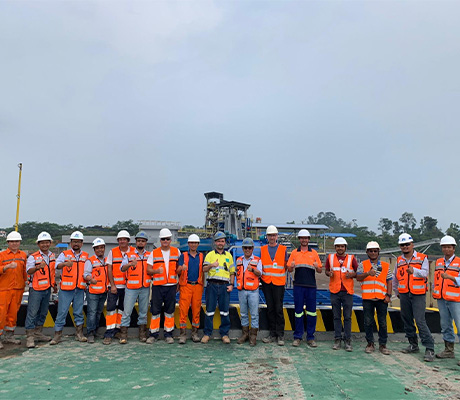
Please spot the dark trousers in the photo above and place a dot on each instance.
(274, 296)
(217, 295)
(115, 307)
(413, 307)
(163, 296)
(368, 312)
(339, 300)
(94, 308)
(305, 296)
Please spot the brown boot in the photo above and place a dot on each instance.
(253, 336)
(123, 334)
(8, 337)
(182, 336)
(142, 333)
(57, 338)
(39, 336)
(195, 337)
(244, 335)
(448, 351)
(79, 334)
(1, 344)
(30, 338)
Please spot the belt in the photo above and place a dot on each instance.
(217, 282)
(192, 283)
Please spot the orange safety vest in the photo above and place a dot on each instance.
(246, 280)
(375, 287)
(43, 279)
(159, 262)
(137, 277)
(183, 277)
(72, 277)
(119, 277)
(99, 272)
(445, 288)
(339, 272)
(274, 271)
(409, 283)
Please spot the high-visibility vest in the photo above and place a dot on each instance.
(99, 273)
(119, 277)
(159, 262)
(246, 280)
(72, 277)
(445, 288)
(137, 277)
(43, 279)
(339, 274)
(375, 287)
(274, 271)
(184, 274)
(409, 283)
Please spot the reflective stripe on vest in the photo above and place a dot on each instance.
(409, 283)
(339, 276)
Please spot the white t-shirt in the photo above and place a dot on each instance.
(165, 254)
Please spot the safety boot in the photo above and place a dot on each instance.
(383, 349)
(448, 351)
(253, 336)
(280, 340)
(8, 337)
(182, 336)
(1, 344)
(312, 343)
(269, 339)
(337, 344)
(79, 334)
(91, 338)
(39, 336)
(225, 339)
(107, 340)
(296, 342)
(123, 335)
(429, 355)
(244, 335)
(30, 338)
(205, 339)
(195, 337)
(413, 346)
(370, 348)
(169, 340)
(348, 346)
(142, 333)
(57, 338)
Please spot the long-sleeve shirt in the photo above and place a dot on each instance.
(31, 260)
(14, 278)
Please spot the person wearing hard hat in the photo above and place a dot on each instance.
(410, 285)
(137, 288)
(304, 262)
(162, 265)
(274, 264)
(13, 278)
(41, 267)
(376, 284)
(341, 268)
(248, 272)
(221, 273)
(447, 293)
(71, 263)
(97, 279)
(117, 258)
(190, 272)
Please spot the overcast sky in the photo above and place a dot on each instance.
(132, 110)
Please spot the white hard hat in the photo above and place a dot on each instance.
(340, 240)
(13, 236)
(165, 233)
(193, 238)
(372, 245)
(77, 235)
(271, 229)
(303, 233)
(448, 240)
(405, 238)
(123, 234)
(43, 236)
(98, 242)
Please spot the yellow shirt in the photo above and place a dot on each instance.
(225, 268)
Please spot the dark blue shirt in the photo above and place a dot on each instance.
(193, 266)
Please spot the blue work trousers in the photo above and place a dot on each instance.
(449, 311)
(305, 297)
(75, 297)
(131, 295)
(94, 307)
(217, 294)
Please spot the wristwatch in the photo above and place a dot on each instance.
(388, 294)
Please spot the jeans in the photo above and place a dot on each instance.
(337, 301)
(65, 298)
(368, 312)
(217, 294)
(94, 308)
(305, 296)
(249, 299)
(413, 306)
(274, 296)
(37, 308)
(131, 296)
(449, 311)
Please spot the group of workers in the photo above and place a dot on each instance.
(130, 274)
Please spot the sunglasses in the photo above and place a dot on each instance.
(165, 239)
(372, 250)
(405, 245)
(247, 248)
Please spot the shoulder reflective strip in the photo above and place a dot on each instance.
(349, 259)
(224, 313)
(331, 260)
(419, 286)
(453, 294)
